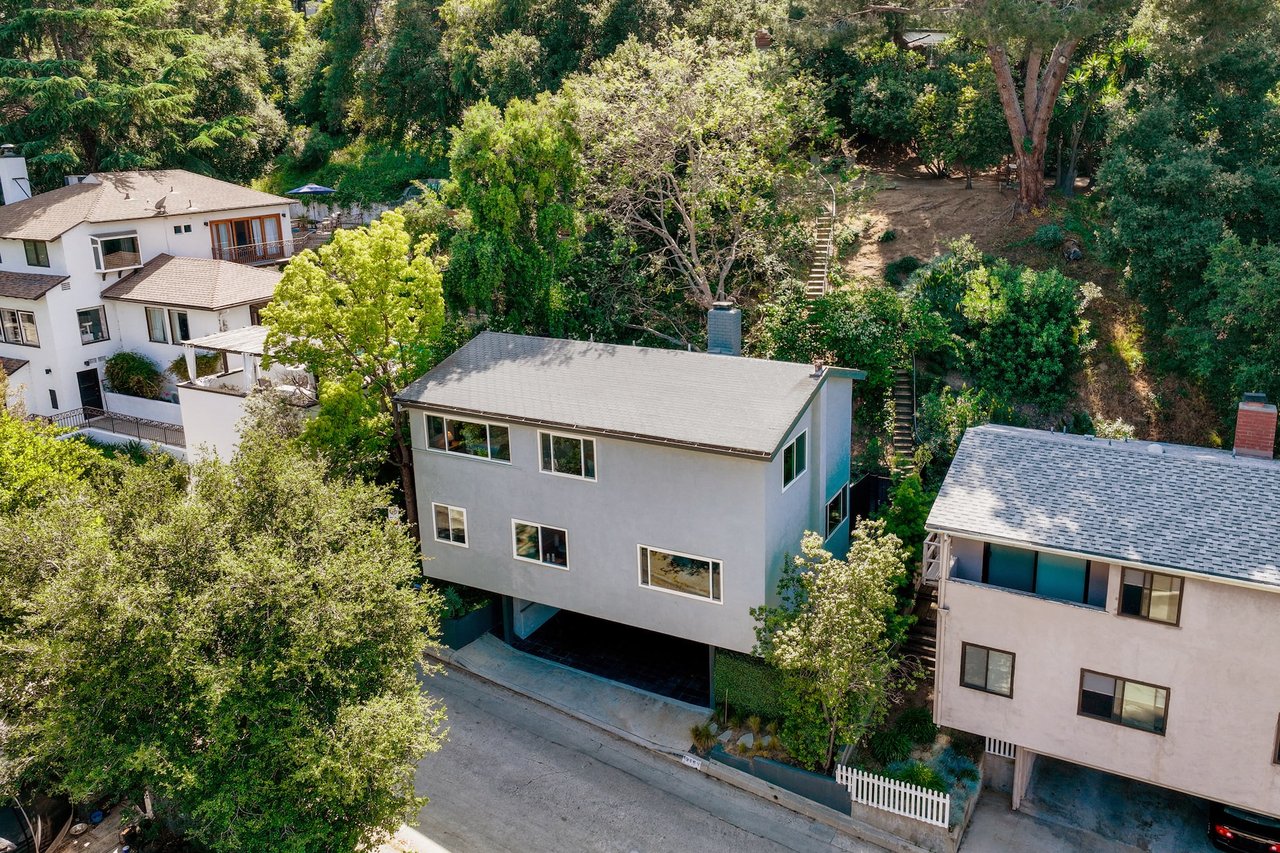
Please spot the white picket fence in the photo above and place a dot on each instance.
(1002, 748)
(900, 798)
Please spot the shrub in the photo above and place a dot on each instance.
(888, 747)
(888, 236)
(207, 364)
(917, 724)
(1117, 429)
(918, 773)
(752, 686)
(956, 767)
(461, 600)
(1049, 237)
(847, 236)
(134, 374)
(703, 739)
(898, 271)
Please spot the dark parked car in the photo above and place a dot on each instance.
(1235, 829)
(14, 836)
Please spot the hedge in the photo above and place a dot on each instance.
(753, 687)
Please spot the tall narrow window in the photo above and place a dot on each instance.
(469, 438)
(837, 510)
(156, 327)
(180, 326)
(538, 543)
(1127, 703)
(684, 574)
(1149, 595)
(567, 455)
(451, 524)
(990, 670)
(37, 253)
(795, 458)
(93, 325)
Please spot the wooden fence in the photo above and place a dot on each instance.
(900, 798)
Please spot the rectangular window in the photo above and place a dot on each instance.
(179, 326)
(1047, 575)
(156, 330)
(795, 458)
(986, 669)
(451, 524)
(1127, 703)
(567, 455)
(18, 327)
(1148, 595)
(684, 574)
(116, 252)
(93, 325)
(538, 543)
(53, 398)
(837, 510)
(37, 253)
(470, 438)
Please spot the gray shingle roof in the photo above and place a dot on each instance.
(1184, 507)
(120, 196)
(28, 285)
(724, 403)
(195, 283)
(10, 366)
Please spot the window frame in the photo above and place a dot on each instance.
(38, 248)
(449, 508)
(515, 542)
(711, 572)
(1013, 668)
(488, 425)
(1090, 566)
(1182, 585)
(95, 245)
(843, 493)
(582, 440)
(1275, 748)
(164, 324)
(18, 315)
(174, 337)
(801, 437)
(102, 316)
(1119, 720)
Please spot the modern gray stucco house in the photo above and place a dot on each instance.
(655, 488)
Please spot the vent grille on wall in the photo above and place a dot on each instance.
(66, 285)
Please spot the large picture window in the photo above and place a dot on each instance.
(837, 510)
(451, 524)
(469, 438)
(156, 331)
(539, 543)
(684, 574)
(1047, 575)
(795, 458)
(990, 670)
(93, 325)
(18, 327)
(37, 253)
(1148, 595)
(1127, 703)
(567, 455)
(115, 252)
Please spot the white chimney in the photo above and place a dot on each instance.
(14, 183)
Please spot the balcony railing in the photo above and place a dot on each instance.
(931, 571)
(140, 428)
(251, 253)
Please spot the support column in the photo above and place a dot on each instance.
(711, 676)
(1023, 762)
(189, 353)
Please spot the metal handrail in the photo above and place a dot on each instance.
(91, 417)
(251, 253)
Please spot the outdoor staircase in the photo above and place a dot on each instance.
(904, 411)
(823, 251)
(922, 639)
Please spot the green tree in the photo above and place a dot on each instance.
(1244, 317)
(978, 136)
(907, 512)
(364, 315)
(35, 465)
(514, 178)
(253, 634)
(829, 636)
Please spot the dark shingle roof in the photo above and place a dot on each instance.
(10, 366)
(25, 285)
(120, 196)
(725, 403)
(195, 283)
(1158, 505)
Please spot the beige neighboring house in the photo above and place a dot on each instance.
(1116, 605)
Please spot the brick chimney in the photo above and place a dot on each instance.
(1256, 427)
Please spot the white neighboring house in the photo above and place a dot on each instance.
(113, 261)
(1116, 605)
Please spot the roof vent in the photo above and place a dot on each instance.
(1155, 449)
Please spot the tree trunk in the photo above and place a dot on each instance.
(1031, 193)
(404, 458)
(968, 179)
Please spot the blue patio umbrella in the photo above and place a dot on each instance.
(311, 189)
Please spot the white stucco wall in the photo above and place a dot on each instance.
(1220, 666)
(211, 421)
